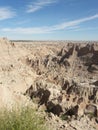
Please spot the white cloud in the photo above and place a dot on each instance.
(33, 30)
(35, 6)
(50, 29)
(6, 13)
(85, 29)
(74, 22)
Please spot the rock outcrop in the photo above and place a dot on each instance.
(68, 81)
(58, 78)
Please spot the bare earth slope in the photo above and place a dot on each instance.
(59, 78)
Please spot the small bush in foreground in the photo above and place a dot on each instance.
(25, 119)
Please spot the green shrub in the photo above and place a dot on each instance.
(90, 115)
(64, 117)
(24, 119)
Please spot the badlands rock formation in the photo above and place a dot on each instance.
(59, 78)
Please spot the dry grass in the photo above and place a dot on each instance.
(25, 119)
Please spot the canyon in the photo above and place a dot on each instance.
(58, 78)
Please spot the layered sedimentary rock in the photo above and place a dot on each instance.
(68, 80)
(58, 78)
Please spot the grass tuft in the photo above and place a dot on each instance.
(24, 119)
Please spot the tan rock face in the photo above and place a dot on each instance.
(61, 78)
(73, 72)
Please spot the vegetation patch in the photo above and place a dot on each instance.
(24, 119)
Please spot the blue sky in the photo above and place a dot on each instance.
(49, 19)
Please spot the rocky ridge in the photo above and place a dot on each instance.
(60, 79)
